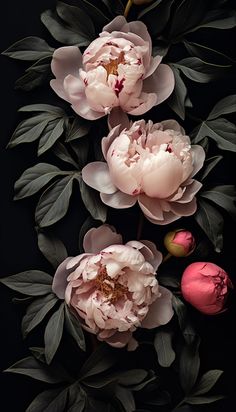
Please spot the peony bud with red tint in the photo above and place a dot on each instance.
(206, 287)
(179, 243)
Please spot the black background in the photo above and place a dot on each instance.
(19, 250)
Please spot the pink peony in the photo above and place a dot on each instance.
(179, 243)
(112, 288)
(149, 163)
(116, 70)
(206, 286)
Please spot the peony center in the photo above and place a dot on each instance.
(112, 66)
(110, 288)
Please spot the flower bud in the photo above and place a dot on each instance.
(179, 243)
(206, 287)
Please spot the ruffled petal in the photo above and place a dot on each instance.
(119, 339)
(172, 124)
(199, 155)
(160, 311)
(150, 207)
(184, 209)
(59, 282)
(142, 104)
(97, 176)
(118, 200)
(66, 60)
(97, 239)
(155, 61)
(107, 141)
(115, 25)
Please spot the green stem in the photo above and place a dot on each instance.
(168, 256)
(128, 7)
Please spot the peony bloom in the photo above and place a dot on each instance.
(206, 286)
(179, 243)
(149, 163)
(112, 287)
(116, 70)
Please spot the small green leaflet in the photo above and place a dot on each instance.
(52, 248)
(30, 48)
(30, 282)
(53, 333)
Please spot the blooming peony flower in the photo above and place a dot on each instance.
(149, 163)
(179, 243)
(206, 286)
(116, 70)
(112, 287)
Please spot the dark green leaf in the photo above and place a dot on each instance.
(35, 75)
(61, 151)
(177, 100)
(30, 48)
(77, 20)
(189, 365)
(200, 71)
(53, 333)
(73, 327)
(224, 106)
(114, 7)
(52, 400)
(60, 32)
(81, 149)
(48, 108)
(31, 282)
(99, 361)
(204, 52)
(50, 135)
(224, 196)
(156, 16)
(163, 346)
(200, 400)
(185, 326)
(206, 382)
(36, 312)
(217, 19)
(29, 130)
(220, 130)
(54, 202)
(126, 398)
(79, 128)
(77, 398)
(131, 377)
(38, 353)
(169, 281)
(92, 201)
(34, 178)
(209, 164)
(97, 16)
(211, 222)
(31, 367)
(52, 248)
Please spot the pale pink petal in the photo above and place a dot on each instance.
(150, 207)
(168, 217)
(107, 141)
(190, 192)
(74, 87)
(118, 117)
(142, 104)
(160, 311)
(118, 200)
(119, 339)
(59, 282)
(73, 262)
(154, 63)
(96, 239)
(156, 255)
(58, 86)
(66, 60)
(161, 82)
(115, 25)
(199, 155)
(184, 209)
(139, 28)
(97, 176)
(132, 344)
(82, 108)
(172, 124)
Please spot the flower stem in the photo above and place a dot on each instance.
(128, 7)
(167, 257)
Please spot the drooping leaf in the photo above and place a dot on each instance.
(220, 130)
(216, 19)
(79, 128)
(37, 370)
(38, 353)
(205, 52)
(99, 19)
(53, 333)
(35, 75)
(73, 327)
(200, 71)
(99, 361)
(30, 282)
(62, 33)
(189, 365)
(48, 108)
(115, 8)
(181, 311)
(177, 101)
(81, 149)
(156, 16)
(201, 400)
(224, 196)
(163, 346)
(224, 106)
(34, 178)
(29, 130)
(51, 134)
(169, 281)
(206, 382)
(77, 20)
(209, 165)
(211, 222)
(52, 248)
(54, 202)
(36, 312)
(29, 48)
(126, 398)
(76, 398)
(92, 201)
(62, 153)
(51, 400)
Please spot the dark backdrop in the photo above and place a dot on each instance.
(19, 250)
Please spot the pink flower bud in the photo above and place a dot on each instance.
(206, 287)
(179, 243)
